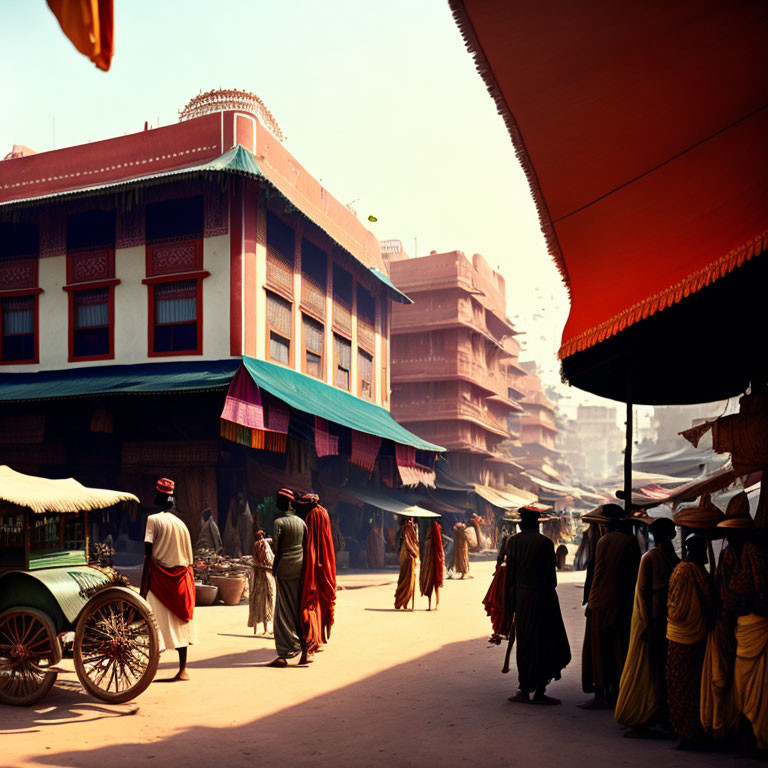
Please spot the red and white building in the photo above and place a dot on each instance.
(152, 263)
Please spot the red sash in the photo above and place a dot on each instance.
(173, 587)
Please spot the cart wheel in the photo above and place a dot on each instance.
(116, 648)
(28, 649)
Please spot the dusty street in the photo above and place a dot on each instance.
(392, 688)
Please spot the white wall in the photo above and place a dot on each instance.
(131, 309)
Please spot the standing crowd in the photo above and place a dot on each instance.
(293, 583)
(675, 645)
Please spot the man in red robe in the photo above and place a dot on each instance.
(318, 590)
(433, 565)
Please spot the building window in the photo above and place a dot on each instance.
(91, 323)
(279, 328)
(314, 278)
(365, 374)
(17, 318)
(178, 219)
(366, 318)
(176, 327)
(342, 361)
(90, 284)
(174, 276)
(342, 299)
(314, 344)
(18, 292)
(281, 244)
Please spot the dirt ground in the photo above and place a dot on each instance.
(391, 689)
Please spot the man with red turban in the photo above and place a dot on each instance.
(167, 581)
(318, 591)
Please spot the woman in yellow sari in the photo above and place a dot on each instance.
(688, 612)
(642, 698)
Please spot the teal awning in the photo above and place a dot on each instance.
(309, 395)
(142, 379)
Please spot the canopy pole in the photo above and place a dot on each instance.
(628, 460)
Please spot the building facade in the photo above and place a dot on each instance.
(157, 263)
(453, 361)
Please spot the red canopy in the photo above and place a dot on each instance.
(643, 129)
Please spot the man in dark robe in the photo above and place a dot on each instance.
(533, 611)
(609, 608)
(288, 541)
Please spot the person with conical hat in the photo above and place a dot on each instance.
(689, 608)
(288, 541)
(744, 608)
(609, 608)
(167, 581)
(642, 697)
(532, 611)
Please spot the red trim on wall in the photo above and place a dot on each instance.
(198, 274)
(236, 257)
(153, 270)
(93, 284)
(21, 292)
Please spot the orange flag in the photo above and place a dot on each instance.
(89, 25)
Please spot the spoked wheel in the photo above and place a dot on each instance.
(116, 645)
(28, 649)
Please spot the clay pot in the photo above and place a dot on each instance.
(205, 594)
(230, 588)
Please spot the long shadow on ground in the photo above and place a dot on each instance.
(446, 708)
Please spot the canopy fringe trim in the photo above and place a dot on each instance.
(668, 297)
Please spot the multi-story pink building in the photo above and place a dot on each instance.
(453, 359)
(154, 264)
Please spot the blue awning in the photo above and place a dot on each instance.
(141, 379)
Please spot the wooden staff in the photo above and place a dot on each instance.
(511, 642)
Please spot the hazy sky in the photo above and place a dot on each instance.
(381, 101)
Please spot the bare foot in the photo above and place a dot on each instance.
(182, 674)
(520, 698)
(548, 701)
(278, 662)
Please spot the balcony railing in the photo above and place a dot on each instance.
(446, 409)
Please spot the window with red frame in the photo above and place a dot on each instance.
(18, 329)
(174, 276)
(175, 315)
(18, 292)
(90, 284)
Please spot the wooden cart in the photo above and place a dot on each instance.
(47, 588)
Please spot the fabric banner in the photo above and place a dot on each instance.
(412, 473)
(365, 449)
(243, 402)
(326, 444)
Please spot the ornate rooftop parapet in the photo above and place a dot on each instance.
(220, 100)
